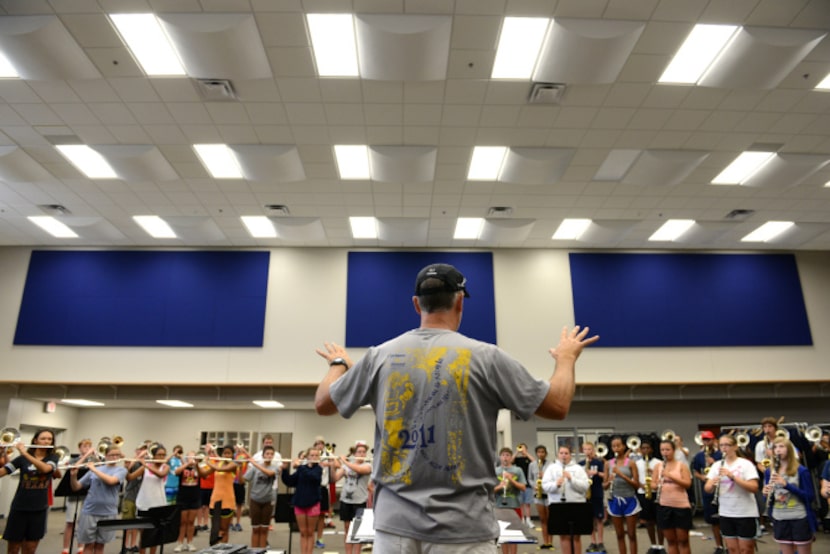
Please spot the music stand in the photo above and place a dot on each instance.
(570, 518)
(125, 525)
(284, 513)
(166, 521)
(64, 489)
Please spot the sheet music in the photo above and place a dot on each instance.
(366, 528)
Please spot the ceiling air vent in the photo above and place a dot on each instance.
(500, 211)
(545, 93)
(739, 214)
(216, 90)
(54, 209)
(277, 209)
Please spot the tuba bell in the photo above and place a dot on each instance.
(667, 435)
(602, 449)
(742, 440)
(633, 442)
(103, 446)
(782, 434)
(63, 454)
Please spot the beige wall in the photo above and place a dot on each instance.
(306, 305)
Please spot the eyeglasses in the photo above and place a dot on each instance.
(723, 444)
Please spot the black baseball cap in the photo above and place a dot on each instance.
(453, 280)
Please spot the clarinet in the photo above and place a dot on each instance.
(776, 465)
(717, 487)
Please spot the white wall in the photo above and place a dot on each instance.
(306, 306)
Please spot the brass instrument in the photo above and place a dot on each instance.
(698, 438)
(9, 436)
(766, 462)
(118, 441)
(667, 435)
(742, 440)
(539, 492)
(782, 434)
(813, 433)
(602, 450)
(63, 454)
(633, 443)
(103, 446)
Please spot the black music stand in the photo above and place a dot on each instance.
(284, 513)
(64, 489)
(166, 521)
(570, 518)
(125, 525)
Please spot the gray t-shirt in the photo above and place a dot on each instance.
(102, 499)
(355, 487)
(262, 486)
(436, 396)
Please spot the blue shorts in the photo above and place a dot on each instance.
(623, 506)
(527, 495)
(792, 531)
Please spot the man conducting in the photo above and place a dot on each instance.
(436, 395)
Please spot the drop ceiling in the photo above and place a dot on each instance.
(287, 119)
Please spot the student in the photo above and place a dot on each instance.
(26, 524)
(135, 475)
(791, 505)
(73, 504)
(306, 500)
(151, 494)
(171, 485)
(595, 468)
(535, 473)
(355, 492)
(734, 481)
(509, 490)
(566, 481)
(189, 500)
(522, 459)
(222, 499)
(674, 511)
(623, 480)
(103, 481)
(263, 476)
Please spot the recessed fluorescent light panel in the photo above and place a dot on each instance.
(81, 402)
(219, 160)
(52, 226)
(259, 226)
(768, 231)
(742, 168)
(268, 404)
(7, 70)
(334, 44)
(149, 43)
(824, 84)
(88, 161)
(364, 227)
(672, 229)
(519, 44)
(468, 228)
(155, 226)
(175, 403)
(571, 229)
(486, 163)
(697, 53)
(352, 161)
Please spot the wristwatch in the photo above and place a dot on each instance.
(339, 361)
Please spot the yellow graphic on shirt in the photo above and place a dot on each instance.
(409, 428)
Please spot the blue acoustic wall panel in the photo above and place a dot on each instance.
(381, 285)
(144, 298)
(690, 299)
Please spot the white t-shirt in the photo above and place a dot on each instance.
(734, 500)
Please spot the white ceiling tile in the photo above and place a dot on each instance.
(575, 117)
(110, 113)
(14, 90)
(686, 120)
(341, 90)
(383, 114)
(612, 118)
(422, 114)
(91, 29)
(470, 64)
(345, 114)
(134, 89)
(37, 114)
(10, 117)
(94, 134)
(776, 14)
(291, 62)
(94, 90)
(428, 6)
(299, 90)
(175, 89)
(54, 91)
(424, 92)
(627, 94)
(679, 10)
(190, 113)
(461, 116)
(282, 29)
(475, 32)
(581, 8)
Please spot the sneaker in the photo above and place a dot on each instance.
(179, 547)
(601, 548)
(319, 544)
(718, 550)
(191, 547)
(239, 527)
(592, 548)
